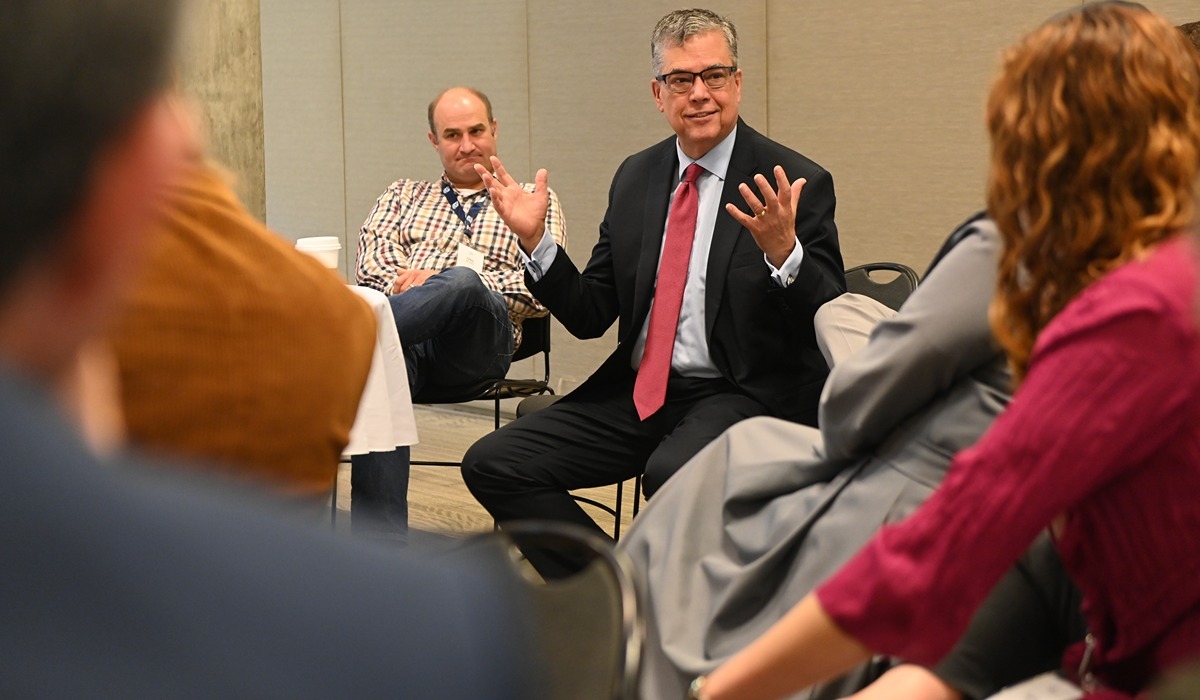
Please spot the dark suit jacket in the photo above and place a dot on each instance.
(760, 335)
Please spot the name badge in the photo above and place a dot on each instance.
(469, 257)
(1048, 686)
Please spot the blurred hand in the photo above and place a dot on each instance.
(90, 393)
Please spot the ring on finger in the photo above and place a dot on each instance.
(761, 214)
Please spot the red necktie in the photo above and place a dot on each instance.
(650, 387)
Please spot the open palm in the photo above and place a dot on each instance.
(524, 212)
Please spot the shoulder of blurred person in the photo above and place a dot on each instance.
(135, 581)
(234, 347)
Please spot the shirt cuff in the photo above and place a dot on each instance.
(543, 257)
(786, 274)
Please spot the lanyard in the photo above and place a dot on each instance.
(469, 217)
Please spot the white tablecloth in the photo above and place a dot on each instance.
(385, 414)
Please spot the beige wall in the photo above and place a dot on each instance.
(221, 69)
(887, 96)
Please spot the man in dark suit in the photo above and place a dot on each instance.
(739, 338)
(120, 581)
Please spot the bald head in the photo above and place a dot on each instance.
(463, 132)
(461, 92)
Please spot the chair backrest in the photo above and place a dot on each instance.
(535, 338)
(589, 626)
(876, 280)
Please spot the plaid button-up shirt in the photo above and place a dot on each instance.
(412, 227)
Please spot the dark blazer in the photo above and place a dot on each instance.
(760, 335)
(124, 582)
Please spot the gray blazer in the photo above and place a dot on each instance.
(770, 509)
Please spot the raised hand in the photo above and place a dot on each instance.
(773, 222)
(524, 212)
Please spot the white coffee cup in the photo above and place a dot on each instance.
(323, 248)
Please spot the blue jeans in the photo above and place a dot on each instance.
(379, 495)
(455, 332)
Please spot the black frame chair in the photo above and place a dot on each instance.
(891, 293)
(590, 625)
(535, 338)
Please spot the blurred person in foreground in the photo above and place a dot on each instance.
(237, 349)
(1095, 127)
(127, 582)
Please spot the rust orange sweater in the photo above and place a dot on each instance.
(236, 349)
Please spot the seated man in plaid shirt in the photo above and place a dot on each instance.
(452, 271)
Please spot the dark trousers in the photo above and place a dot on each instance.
(1020, 630)
(455, 331)
(379, 495)
(593, 437)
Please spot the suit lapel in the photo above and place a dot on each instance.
(660, 184)
(727, 230)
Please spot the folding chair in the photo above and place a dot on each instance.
(872, 280)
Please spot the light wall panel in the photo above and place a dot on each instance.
(396, 57)
(302, 113)
(1177, 11)
(889, 98)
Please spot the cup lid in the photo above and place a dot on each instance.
(319, 242)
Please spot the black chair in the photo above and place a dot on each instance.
(875, 280)
(535, 338)
(589, 626)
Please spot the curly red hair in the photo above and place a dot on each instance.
(1095, 129)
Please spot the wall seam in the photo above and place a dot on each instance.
(767, 63)
(345, 170)
(529, 121)
(529, 91)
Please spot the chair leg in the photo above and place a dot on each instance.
(637, 494)
(617, 512)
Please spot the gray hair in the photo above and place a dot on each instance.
(680, 25)
(73, 73)
(482, 98)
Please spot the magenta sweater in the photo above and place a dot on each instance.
(1105, 431)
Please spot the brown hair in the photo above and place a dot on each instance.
(1192, 31)
(73, 73)
(1095, 129)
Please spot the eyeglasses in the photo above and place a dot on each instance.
(681, 81)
